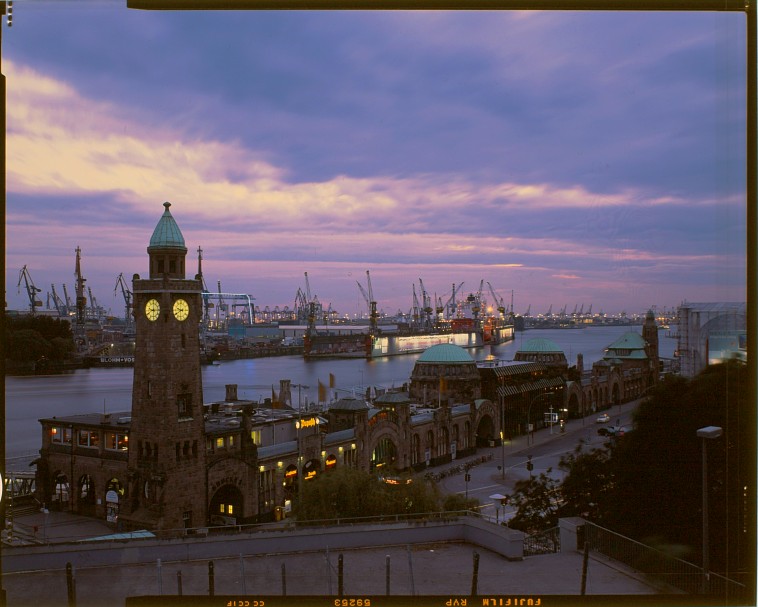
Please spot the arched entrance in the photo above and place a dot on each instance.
(60, 492)
(114, 494)
(384, 455)
(485, 432)
(226, 506)
(85, 504)
(311, 469)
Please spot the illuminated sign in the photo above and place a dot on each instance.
(290, 472)
(310, 474)
(311, 422)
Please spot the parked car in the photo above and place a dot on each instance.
(603, 419)
(612, 431)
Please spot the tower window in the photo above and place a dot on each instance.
(160, 266)
(172, 266)
(184, 405)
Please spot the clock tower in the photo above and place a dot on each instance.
(167, 484)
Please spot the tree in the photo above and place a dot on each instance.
(351, 493)
(537, 501)
(658, 467)
(589, 482)
(27, 345)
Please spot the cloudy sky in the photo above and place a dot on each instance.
(565, 158)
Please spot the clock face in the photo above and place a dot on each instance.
(152, 309)
(181, 309)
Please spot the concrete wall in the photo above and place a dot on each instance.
(499, 539)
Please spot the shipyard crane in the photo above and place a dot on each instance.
(69, 307)
(127, 295)
(450, 304)
(478, 302)
(31, 290)
(426, 304)
(207, 304)
(58, 302)
(528, 310)
(92, 303)
(439, 308)
(549, 312)
(416, 310)
(498, 300)
(81, 300)
(370, 302)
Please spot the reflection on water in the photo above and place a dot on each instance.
(95, 390)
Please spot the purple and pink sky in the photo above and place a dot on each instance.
(569, 158)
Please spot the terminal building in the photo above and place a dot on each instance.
(175, 463)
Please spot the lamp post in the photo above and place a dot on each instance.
(502, 434)
(529, 412)
(708, 432)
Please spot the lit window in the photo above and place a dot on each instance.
(230, 509)
(116, 441)
(220, 442)
(88, 438)
(221, 508)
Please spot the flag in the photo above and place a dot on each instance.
(321, 392)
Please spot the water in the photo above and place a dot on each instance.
(29, 399)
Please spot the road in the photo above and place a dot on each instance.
(545, 448)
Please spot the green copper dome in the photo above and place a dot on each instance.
(540, 344)
(445, 353)
(167, 234)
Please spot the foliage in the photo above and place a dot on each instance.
(33, 338)
(455, 502)
(537, 501)
(647, 484)
(589, 481)
(658, 467)
(349, 492)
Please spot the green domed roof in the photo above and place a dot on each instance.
(167, 234)
(445, 353)
(540, 344)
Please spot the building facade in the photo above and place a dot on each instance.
(175, 464)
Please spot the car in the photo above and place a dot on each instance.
(612, 431)
(604, 418)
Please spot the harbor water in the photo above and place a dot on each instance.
(30, 398)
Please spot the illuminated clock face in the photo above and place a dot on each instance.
(152, 309)
(181, 309)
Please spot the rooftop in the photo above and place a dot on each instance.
(167, 234)
(445, 353)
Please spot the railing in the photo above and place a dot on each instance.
(545, 542)
(658, 565)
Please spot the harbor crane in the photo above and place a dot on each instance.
(426, 301)
(81, 300)
(58, 303)
(207, 303)
(31, 290)
(498, 300)
(370, 302)
(478, 302)
(67, 299)
(127, 295)
(450, 304)
(416, 310)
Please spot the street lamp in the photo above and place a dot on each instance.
(708, 432)
(500, 500)
(529, 412)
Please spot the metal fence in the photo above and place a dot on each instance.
(660, 566)
(545, 542)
